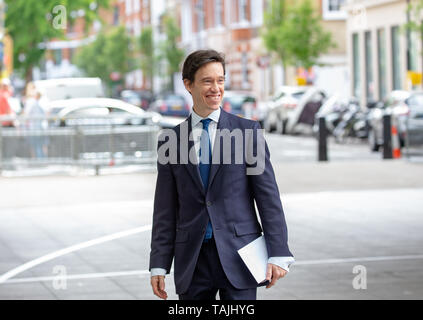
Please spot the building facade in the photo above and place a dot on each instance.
(379, 53)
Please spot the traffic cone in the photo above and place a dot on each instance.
(396, 147)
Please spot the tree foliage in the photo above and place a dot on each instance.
(109, 53)
(146, 49)
(30, 23)
(295, 34)
(169, 49)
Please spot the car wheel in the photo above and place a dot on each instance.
(281, 126)
(374, 146)
(267, 125)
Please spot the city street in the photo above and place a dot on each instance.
(354, 228)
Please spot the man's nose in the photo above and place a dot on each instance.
(215, 86)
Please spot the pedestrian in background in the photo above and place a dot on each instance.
(35, 123)
(204, 211)
(5, 109)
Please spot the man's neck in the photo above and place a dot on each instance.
(202, 113)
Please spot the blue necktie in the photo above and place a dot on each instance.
(204, 165)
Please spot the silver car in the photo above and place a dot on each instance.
(293, 108)
(414, 119)
(395, 105)
(98, 112)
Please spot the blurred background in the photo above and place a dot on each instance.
(86, 86)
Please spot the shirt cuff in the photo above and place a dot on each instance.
(283, 262)
(158, 272)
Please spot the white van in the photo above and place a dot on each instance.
(67, 88)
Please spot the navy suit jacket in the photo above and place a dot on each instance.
(182, 209)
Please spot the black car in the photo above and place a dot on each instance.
(171, 104)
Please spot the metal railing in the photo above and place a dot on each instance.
(84, 141)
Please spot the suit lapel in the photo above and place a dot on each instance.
(216, 163)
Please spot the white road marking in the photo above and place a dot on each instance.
(141, 273)
(70, 249)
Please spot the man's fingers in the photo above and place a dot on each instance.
(275, 273)
(158, 285)
(269, 272)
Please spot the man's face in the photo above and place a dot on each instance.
(208, 88)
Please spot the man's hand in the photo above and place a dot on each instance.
(158, 285)
(274, 273)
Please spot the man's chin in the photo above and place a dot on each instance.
(214, 106)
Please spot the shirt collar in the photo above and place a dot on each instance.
(195, 118)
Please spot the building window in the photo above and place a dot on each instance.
(57, 56)
(369, 66)
(115, 15)
(396, 58)
(332, 10)
(199, 9)
(356, 66)
(381, 55)
(414, 53)
(218, 12)
(244, 63)
(242, 6)
(128, 7)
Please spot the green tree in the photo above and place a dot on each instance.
(169, 49)
(274, 22)
(414, 24)
(295, 33)
(109, 54)
(147, 59)
(31, 23)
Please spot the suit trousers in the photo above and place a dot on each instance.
(209, 278)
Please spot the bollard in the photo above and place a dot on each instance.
(387, 141)
(323, 150)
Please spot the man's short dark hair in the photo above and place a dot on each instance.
(199, 58)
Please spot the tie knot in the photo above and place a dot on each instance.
(206, 123)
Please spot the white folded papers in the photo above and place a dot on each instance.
(255, 257)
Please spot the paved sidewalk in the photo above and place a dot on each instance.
(339, 214)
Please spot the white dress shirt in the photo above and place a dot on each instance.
(197, 127)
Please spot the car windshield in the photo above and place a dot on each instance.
(298, 95)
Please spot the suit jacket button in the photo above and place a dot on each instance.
(209, 203)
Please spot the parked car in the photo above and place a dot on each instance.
(413, 121)
(141, 99)
(171, 104)
(293, 109)
(394, 104)
(100, 111)
(332, 111)
(240, 103)
(285, 98)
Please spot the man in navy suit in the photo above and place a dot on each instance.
(206, 191)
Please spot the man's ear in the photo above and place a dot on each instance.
(187, 85)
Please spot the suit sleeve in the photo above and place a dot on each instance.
(164, 218)
(266, 194)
